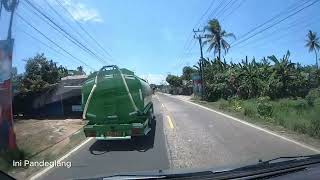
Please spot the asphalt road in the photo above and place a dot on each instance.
(186, 136)
(199, 138)
(100, 158)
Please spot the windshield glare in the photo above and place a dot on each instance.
(98, 88)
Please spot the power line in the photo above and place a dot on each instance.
(234, 9)
(291, 8)
(214, 11)
(54, 27)
(277, 22)
(66, 34)
(83, 29)
(220, 12)
(273, 33)
(29, 24)
(196, 24)
(63, 19)
(41, 42)
(189, 45)
(204, 14)
(48, 46)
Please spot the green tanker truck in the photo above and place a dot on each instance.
(117, 104)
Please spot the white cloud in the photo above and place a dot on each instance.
(154, 78)
(81, 11)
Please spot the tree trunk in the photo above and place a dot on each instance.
(317, 65)
(219, 52)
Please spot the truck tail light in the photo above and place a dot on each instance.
(135, 131)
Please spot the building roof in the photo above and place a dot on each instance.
(68, 87)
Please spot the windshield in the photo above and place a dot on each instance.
(97, 88)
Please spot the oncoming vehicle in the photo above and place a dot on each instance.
(117, 104)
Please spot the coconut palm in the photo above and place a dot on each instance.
(313, 44)
(216, 37)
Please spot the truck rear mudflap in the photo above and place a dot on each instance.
(116, 131)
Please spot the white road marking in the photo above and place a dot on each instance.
(36, 176)
(251, 125)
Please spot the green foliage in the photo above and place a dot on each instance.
(314, 129)
(174, 81)
(264, 99)
(313, 44)
(265, 109)
(40, 73)
(78, 71)
(273, 77)
(216, 37)
(312, 96)
(6, 158)
(223, 105)
(187, 71)
(236, 105)
(293, 114)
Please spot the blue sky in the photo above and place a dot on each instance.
(153, 38)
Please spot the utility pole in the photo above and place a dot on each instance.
(7, 135)
(199, 37)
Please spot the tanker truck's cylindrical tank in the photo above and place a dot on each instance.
(119, 96)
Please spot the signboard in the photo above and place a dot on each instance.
(7, 136)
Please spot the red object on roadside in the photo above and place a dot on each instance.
(7, 135)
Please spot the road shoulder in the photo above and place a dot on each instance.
(302, 140)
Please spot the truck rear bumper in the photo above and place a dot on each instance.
(114, 138)
(116, 131)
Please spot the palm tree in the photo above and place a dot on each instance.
(313, 44)
(216, 37)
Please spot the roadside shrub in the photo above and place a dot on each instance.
(300, 105)
(300, 127)
(265, 109)
(281, 121)
(223, 105)
(250, 108)
(314, 128)
(236, 105)
(312, 96)
(317, 103)
(249, 112)
(297, 104)
(264, 99)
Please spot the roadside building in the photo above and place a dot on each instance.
(58, 100)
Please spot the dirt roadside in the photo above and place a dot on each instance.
(45, 140)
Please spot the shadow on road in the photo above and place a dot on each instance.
(140, 144)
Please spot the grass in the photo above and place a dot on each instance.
(6, 158)
(293, 114)
(49, 154)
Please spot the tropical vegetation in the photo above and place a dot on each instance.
(313, 44)
(271, 89)
(40, 75)
(216, 37)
